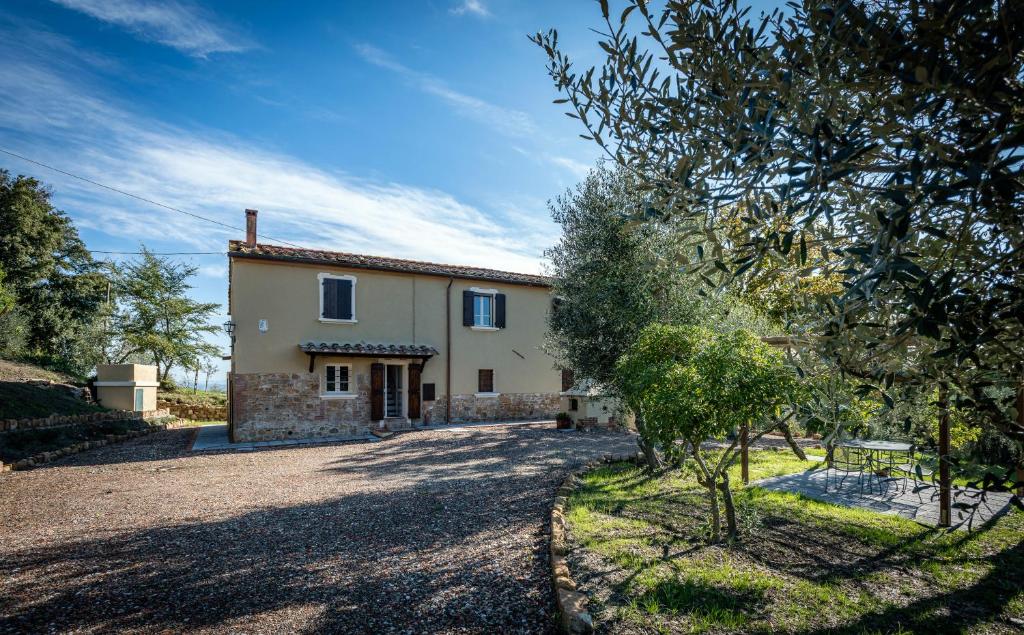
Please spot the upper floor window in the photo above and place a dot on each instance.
(483, 309)
(337, 298)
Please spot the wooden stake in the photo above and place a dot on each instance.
(1020, 421)
(744, 453)
(945, 491)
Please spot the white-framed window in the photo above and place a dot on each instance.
(483, 310)
(337, 298)
(338, 380)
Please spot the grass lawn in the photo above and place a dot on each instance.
(800, 566)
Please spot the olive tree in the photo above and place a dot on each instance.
(693, 384)
(611, 280)
(897, 128)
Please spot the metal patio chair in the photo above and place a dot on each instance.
(847, 461)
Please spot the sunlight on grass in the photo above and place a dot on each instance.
(800, 565)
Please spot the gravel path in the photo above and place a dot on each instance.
(441, 531)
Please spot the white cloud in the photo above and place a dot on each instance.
(181, 26)
(55, 119)
(513, 123)
(475, 7)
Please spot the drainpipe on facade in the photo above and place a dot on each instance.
(448, 352)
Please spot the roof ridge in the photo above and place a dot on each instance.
(387, 263)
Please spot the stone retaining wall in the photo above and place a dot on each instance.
(195, 412)
(45, 457)
(57, 421)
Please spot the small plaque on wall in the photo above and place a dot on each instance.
(428, 392)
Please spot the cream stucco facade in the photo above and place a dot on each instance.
(276, 305)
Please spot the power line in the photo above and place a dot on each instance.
(160, 253)
(137, 197)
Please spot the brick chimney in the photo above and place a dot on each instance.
(250, 227)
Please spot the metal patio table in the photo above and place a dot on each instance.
(875, 449)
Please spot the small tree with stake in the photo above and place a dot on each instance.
(692, 384)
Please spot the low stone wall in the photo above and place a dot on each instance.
(57, 421)
(572, 605)
(525, 406)
(586, 424)
(46, 457)
(195, 412)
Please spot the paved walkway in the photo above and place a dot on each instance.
(428, 531)
(892, 497)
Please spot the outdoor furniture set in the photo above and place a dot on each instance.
(874, 463)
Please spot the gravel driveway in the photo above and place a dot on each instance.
(441, 531)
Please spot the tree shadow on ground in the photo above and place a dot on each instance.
(414, 554)
(900, 569)
(410, 568)
(470, 454)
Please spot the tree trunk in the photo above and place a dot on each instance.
(797, 450)
(651, 455)
(716, 518)
(706, 478)
(730, 507)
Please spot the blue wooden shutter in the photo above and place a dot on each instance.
(467, 308)
(344, 299)
(499, 310)
(337, 299)
(330, 299)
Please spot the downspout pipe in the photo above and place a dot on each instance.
(448, 351)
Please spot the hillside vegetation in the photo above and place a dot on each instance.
(27, 391)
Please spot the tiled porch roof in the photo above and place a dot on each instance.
(362, 349)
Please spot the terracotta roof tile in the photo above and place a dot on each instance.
(362, 348)
(239, 249)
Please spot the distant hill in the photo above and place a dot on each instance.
(27, 391)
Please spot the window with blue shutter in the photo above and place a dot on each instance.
(337, 299)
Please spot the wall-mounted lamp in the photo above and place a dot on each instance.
(229, 328)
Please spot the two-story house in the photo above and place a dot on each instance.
(327, 343)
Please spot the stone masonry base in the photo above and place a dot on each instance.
(275, 406)
(524, 406)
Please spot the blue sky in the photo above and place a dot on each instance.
(420, 129)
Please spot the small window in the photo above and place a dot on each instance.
(485, 380)
(574, 404)
(337, 379)
(483, 310)
(429, 392)
(337, 298)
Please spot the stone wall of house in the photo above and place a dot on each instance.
(530, 406)
(274, 406)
